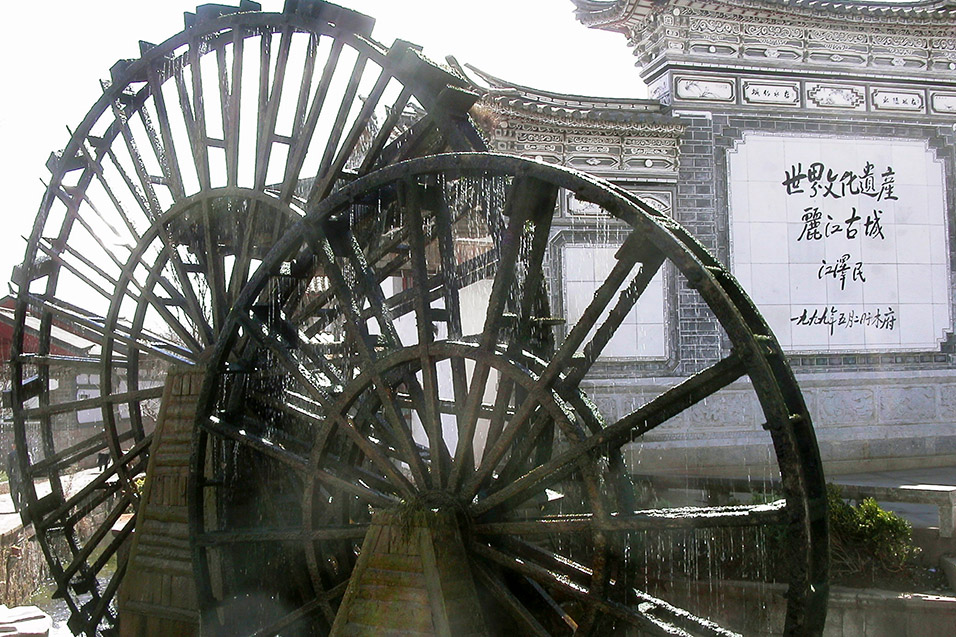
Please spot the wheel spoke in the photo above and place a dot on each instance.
(133, 457)
(634, 250)
(326, 176)
(638, 422)
(214, 268)
(169, 163)
(147, 196)
(181, 331)
(381, 138)
(317, 387)
(535, 295)
(359, 127)
(301, 142)
(320, 603)
(451, 276)
(493, 582)
(242, 430)
(269, 97)
(230, 107)
(525, 199)
(650, 614)
(370, 449)
(96, 402)
(80, 559)
(411, 196)
(530, 409)
(196, 116)
(360, 339)
(628, 298)
(72, 454)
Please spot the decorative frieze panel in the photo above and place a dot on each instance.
(890, 100)
(771, 52)
(579, 208)
(594, 163)
(573, 138)
(840, 40)
(651, 164)
(714, 27)
(836, 96)
(525, 149)
(826, 56)
(705, 89)
(899, 61)
(777, 93)
(892, 46)
(545, 157)
(943, 64)
(589, 149)
(535, 136)
(772, 33)
(714, 49)
(904, 42)
(944, 103)
(650, 154)
(660, 91)
(659, 200)
(763, 92)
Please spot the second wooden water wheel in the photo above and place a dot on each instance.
(199, 155)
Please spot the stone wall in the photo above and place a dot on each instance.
(871, 421)
(757, 609)
(22, 566)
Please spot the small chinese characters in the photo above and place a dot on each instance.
(841, 269)
(833, 317)
(819, 180)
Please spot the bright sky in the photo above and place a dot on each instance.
(55, 52)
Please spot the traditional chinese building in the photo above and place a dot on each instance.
(812, 147)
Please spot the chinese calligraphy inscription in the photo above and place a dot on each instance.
(842, 242)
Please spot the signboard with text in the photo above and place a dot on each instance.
(842, 243)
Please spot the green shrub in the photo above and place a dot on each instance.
(866, 539)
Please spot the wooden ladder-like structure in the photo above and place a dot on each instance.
(158, 595)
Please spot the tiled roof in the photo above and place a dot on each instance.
(615, 13)
(574, 108)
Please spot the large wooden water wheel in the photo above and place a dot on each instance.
(198, 157)
(394, 430)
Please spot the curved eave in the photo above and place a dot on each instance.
(591, 119)
(610, 15)
(503, 88)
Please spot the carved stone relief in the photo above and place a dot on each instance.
(701, 89)
(836, 96)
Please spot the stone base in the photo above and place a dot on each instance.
(24, 621)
